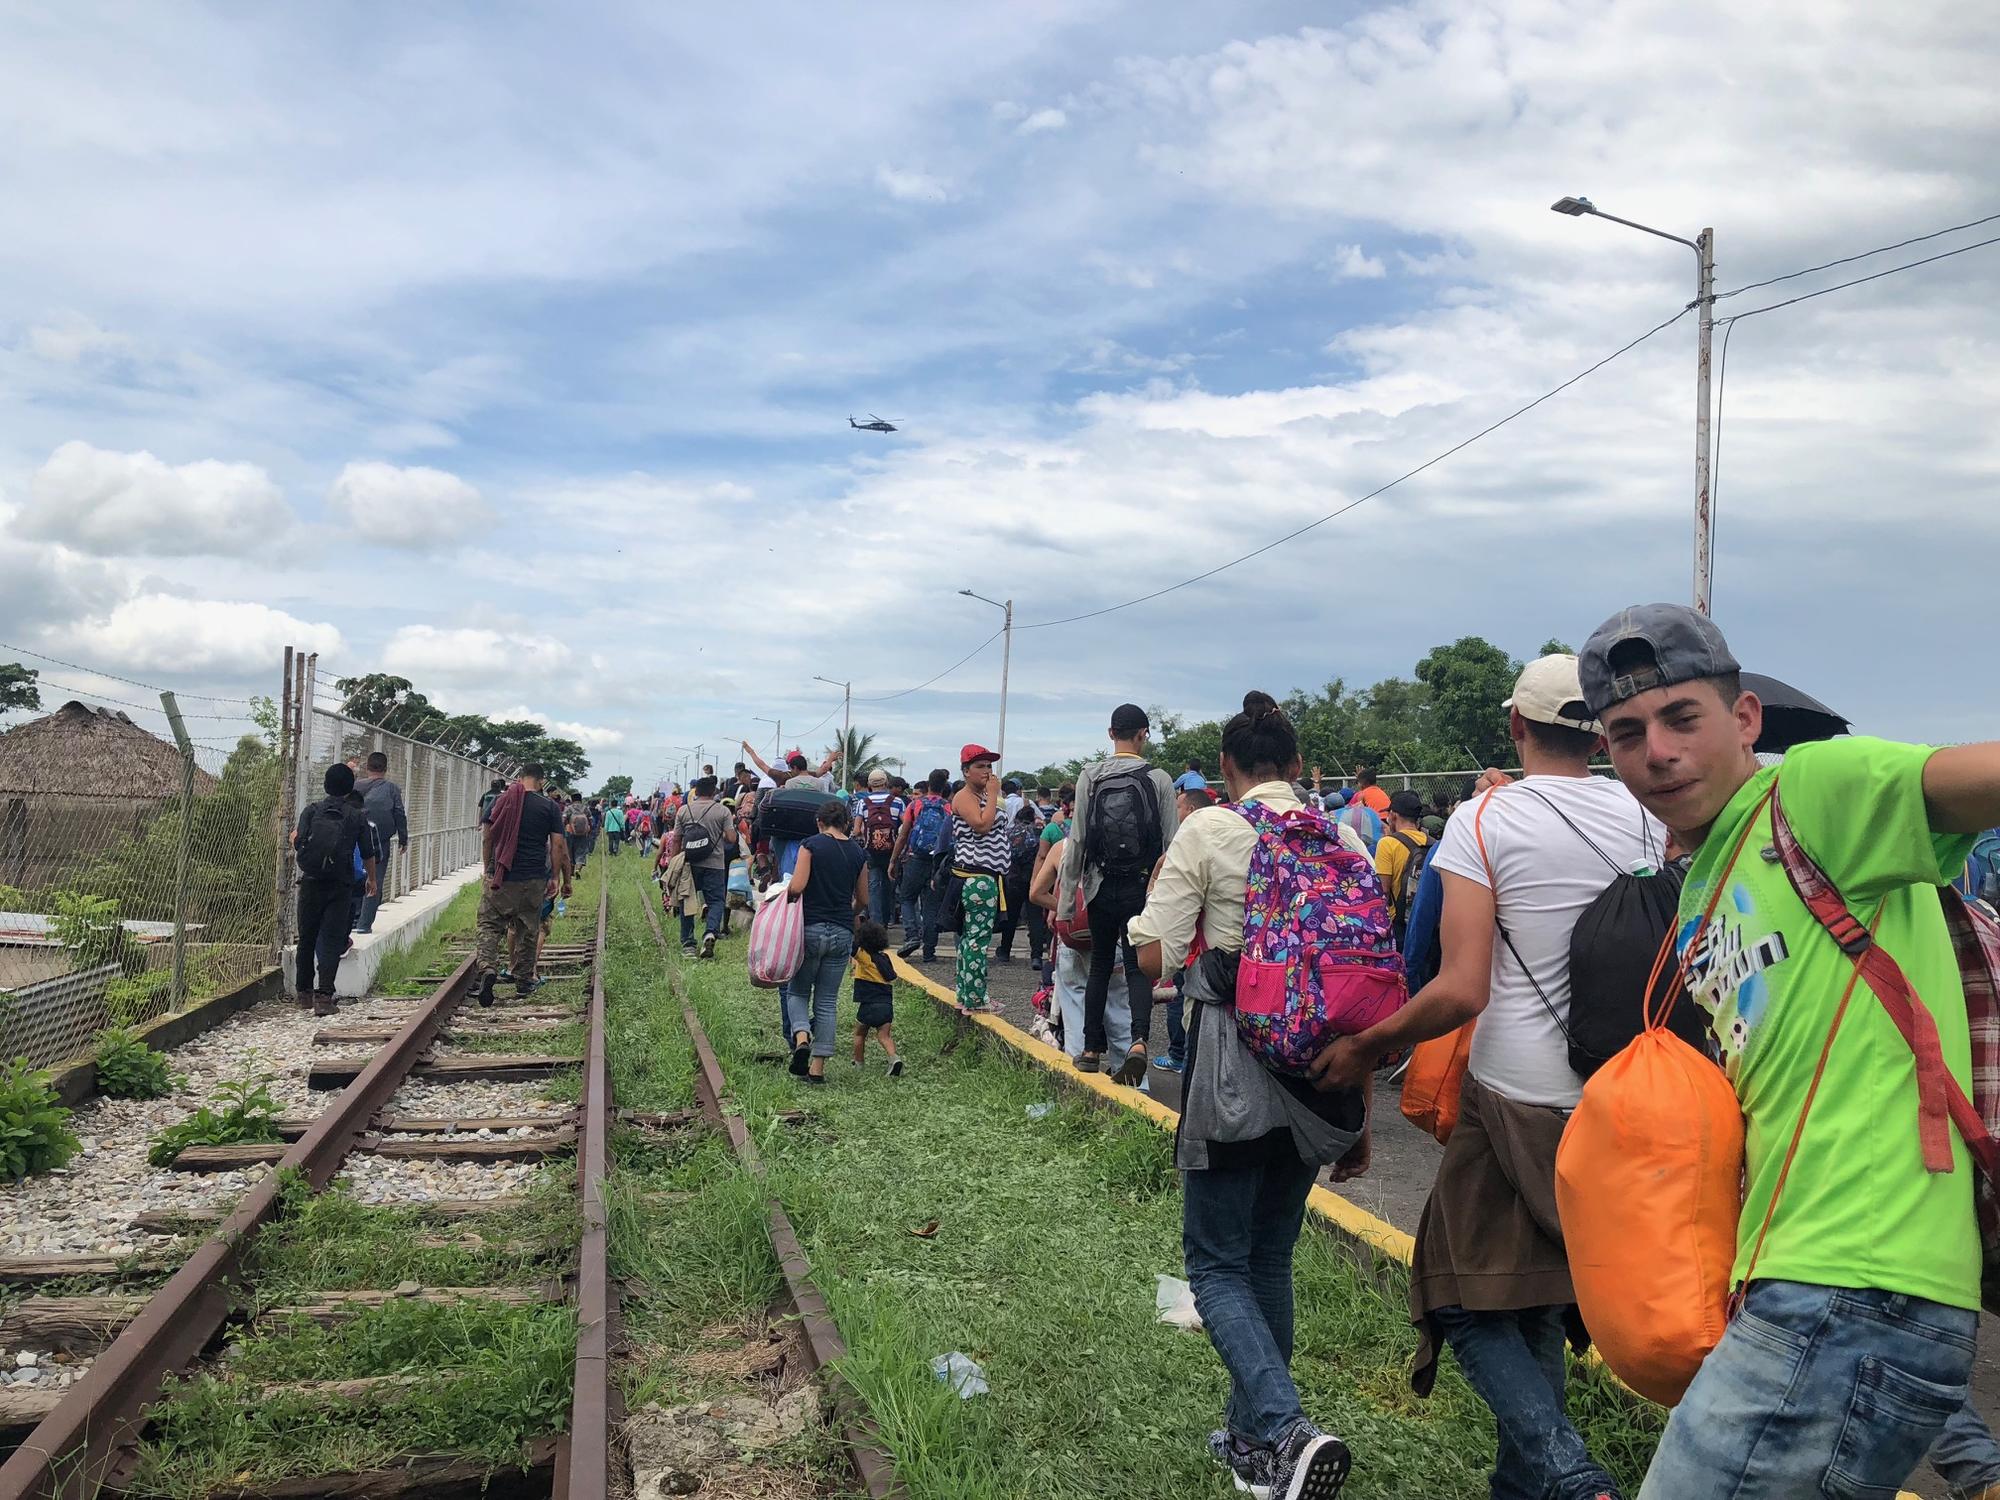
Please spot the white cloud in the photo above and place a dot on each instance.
(912, 187)
(416, 507)
(1351, 262)
(590, 736)
(474, 655)
(71, 338)
(1007, 111)
(1041, 120)
(171, 635)
(134, 504)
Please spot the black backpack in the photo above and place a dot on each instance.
(1413, 871)
(1611, 951)
(1122, 832)
(697, 838)
(326, 849)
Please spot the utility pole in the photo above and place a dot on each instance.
(1006, 658)
(186, 850)
(1703, 246)
(846, 724)
(777, 739)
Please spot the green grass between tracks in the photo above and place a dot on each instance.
(485, 1381)
(1049, 1234)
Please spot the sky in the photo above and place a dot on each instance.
(511, 349)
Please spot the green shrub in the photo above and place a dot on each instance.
(249, 1115)
(140, 998)
(87, 925)
(34, 1122)
(127, 1068)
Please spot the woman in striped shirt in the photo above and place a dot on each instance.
(979, 860)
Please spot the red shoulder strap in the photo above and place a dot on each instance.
(1941, 1100)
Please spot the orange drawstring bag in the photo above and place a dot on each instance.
(1649, 1186)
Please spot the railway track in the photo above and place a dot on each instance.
(149, 1347)
(873, 1466)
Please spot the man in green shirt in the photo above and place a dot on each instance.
(1854, 1343)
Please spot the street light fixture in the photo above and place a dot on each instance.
(778, 736)
(846, 708)
(1703, 246)
(1006, 660)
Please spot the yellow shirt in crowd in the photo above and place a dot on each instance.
(1390, 857)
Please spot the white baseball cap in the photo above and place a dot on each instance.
(1548, 691)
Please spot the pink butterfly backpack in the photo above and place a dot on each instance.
(1319, 956)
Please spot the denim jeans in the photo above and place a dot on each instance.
(1239, 1225)
(881, 889)
(813, 992)
(1965, 1455)
(1072, 972)
(371, 904)
(1514, 1360)
(1118, 900)
(714, 888)
(1816, 1390)
(920, 901)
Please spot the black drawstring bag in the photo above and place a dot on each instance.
(1611, 952)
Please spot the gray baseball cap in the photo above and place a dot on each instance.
(1684, 644)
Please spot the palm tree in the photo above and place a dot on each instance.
(857, 758)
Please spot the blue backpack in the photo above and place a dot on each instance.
(928, 828)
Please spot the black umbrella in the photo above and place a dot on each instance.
(1790, 717)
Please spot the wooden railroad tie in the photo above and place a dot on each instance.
(503, 1148)
(199, 1220)
(493, 1067)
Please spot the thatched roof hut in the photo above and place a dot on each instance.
(80, 751)
(75, 783)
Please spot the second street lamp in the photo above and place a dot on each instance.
(1006, 661)
(1703, 246)
(846, 708)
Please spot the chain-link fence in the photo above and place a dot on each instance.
(135, 863)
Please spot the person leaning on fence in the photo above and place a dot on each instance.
(330, 836)
(383, 801)
(526, 859)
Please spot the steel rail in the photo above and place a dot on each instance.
(583, 1456)
(70, 1455)
(872, 1460)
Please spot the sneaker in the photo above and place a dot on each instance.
(325, 1005)
(895, 1068)
(1088, 1062)
(1249, 1463)
(526, 987)
(687, 950)
(817, 1080)
(708, 946)
(908, 949)
(1309, 1465)
(486, 982)
(1171, 1063)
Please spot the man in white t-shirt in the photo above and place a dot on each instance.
(1519, 862)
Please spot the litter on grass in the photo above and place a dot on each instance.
(1039, 1111)
(961, 1373)
(1175, 1300)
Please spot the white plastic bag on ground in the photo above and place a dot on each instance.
(961, 1373)
(1175, 1300)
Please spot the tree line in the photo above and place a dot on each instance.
(395, 705)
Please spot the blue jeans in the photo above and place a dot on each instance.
(714, 888)
(1965, 1455)
(920, 901)
(371, 904)
(1514, 1360)
(881, 889)
(1239, 1225)
(812, 993)
(1816, 1390)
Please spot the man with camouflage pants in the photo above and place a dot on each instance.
(526, 858)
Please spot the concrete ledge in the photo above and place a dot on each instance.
(76, 1080)
(398, 924)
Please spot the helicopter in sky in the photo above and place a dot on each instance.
(873, 424)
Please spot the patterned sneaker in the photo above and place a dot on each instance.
(1309, 1465)
(1249, 1463)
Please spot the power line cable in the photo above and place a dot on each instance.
(1841, 286)
(1372, 494)
(891, 697)
(1844, 260)
(151, 687)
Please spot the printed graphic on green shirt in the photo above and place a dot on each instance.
(1858, 1209)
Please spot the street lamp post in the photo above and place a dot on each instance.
(1006, 660)
(777, 738)
(1703, 246)
(846, 710)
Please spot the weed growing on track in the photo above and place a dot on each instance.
(1049, 1235)
(510, 1383)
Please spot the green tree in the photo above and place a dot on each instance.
(1468, 681)
(860, 757)
(615, 786)
(17, 687)
(1554, 647)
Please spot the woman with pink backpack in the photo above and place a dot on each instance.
(1251, 1138)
